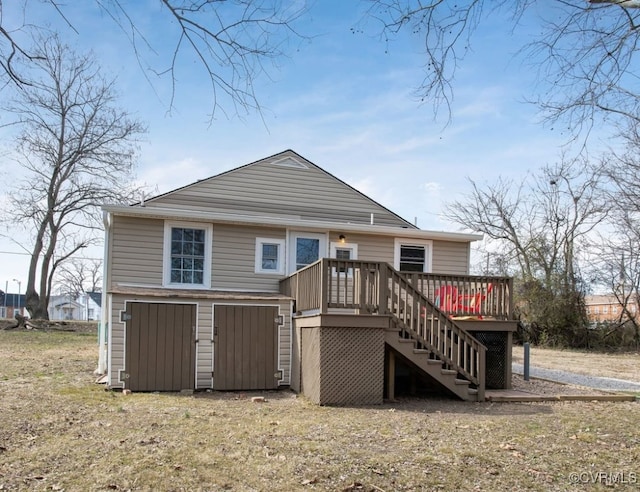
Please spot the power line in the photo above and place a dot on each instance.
(29, 254)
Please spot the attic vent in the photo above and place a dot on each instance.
(290, 162)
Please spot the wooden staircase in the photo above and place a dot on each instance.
(431, 340)
(435, 368)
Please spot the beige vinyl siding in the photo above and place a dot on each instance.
(271, 189)
(116, 342)
(204, 345)
(136, 252)
(204, 335)
(233, 266)
(448, 257)
(370, 248)
(451, 257)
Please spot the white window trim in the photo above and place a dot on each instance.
(428, 252)
(166, 264)
(281, 255)
(333, 246)
(337, 245)
(291, 241)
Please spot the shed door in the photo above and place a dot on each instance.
(245, 347)
(160, 346)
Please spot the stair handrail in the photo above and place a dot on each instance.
(424, 322)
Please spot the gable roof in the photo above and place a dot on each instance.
(286, 185)
(283, 190)
(96, 297)
(63, 300)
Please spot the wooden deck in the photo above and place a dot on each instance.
(427, 313)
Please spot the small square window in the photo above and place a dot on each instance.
(269, 256)
(344, 252)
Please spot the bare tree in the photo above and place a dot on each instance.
(76, 150)
(232, 40)
(618, 268)
(584, 53)
(541, 226)
(79, 275)
(618, 263)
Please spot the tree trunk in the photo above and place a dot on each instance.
(36, 305)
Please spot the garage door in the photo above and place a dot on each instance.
(160, 346)
(245, 347)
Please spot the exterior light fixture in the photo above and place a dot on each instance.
(342, 238)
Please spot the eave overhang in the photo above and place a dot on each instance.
(286, 222)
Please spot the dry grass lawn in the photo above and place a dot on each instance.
(621, 366)
(60, 431)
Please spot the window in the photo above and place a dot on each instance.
(344, 251)
(605, 309)
(269, 255)
(412, 255)
(305, 248)
(187, 255)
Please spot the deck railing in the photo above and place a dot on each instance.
(421, 305)
(479, 297)
(352, 284)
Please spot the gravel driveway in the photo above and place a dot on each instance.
(610, 384)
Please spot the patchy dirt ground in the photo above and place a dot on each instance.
(61, 431)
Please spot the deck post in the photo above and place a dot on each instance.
(509, 315)
(391, 375)
(383, 287)
(324, 285)
(482, 373)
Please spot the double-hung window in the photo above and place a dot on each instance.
(269, 256)
(412, 255)
(187, 255)
(344, 252)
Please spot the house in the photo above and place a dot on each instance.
(12, 304)
(64, 307)
(279, 274)
(85, 307)
(604, 308)
(91, 305)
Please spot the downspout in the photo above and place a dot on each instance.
(104, 314)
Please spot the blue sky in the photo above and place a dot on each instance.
(344, 101)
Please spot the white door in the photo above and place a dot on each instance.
(306, 248)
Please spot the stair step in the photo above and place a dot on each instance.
(434, 361)
(472, 391)
(406, 340)
(462, 381)
(449, 371)
(421, 351)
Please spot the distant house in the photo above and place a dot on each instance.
(607, 308)
(85, 307)
(91, 302)
(10, 304)
(279, 274)
(64, 308)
